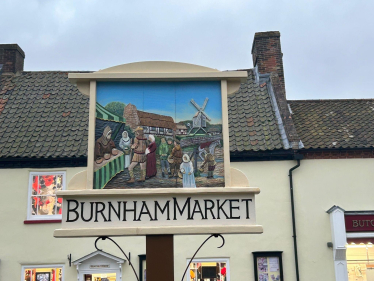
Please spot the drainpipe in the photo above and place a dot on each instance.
(297, 157)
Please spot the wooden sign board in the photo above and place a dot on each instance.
(125, 212)
(158, 154)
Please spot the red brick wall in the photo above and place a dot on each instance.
(131, 115)
(12, 58)
(364, 153)
(267, 53)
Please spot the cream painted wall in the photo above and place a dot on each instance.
(319, 184)
(26, 244)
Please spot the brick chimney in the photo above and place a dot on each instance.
(131, 115)
(12, 58)
(267, 54)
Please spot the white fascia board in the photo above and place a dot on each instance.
(196, 76)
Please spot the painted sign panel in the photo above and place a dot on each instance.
(141, 212)
(158, 134)
(359, 223)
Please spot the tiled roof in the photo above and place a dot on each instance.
(252, 123)
(156, 120)
(334, 123)
(42, 115)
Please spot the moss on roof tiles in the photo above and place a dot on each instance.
(38, 100)
(54, 117)
(250, 110)
(334, 123)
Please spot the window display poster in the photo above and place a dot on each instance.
(268, 269)
(262, 265)
(43, 276)
(273, 264)
(263, 277)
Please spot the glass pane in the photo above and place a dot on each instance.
(103, 277)
(360, 261)
(35, 202)
(59, 182)
(43, 274)
(43, 205)
(28, 274)
(268, 269)
(48, 181)
(35, 185)
(207, 271)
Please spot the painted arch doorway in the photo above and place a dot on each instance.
(99, 266)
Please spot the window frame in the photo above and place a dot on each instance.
(268, 254)
(30, 217)
(219, 260)
(24, 267)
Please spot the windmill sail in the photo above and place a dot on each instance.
(205, 103)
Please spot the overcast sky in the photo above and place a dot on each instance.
(327, 45)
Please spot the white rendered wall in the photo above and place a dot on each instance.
(319, 184)
(25, 244)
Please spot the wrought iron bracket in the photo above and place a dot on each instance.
(213, 235)
(127, 256)
(69, 259)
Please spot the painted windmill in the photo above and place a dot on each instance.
(200, 118)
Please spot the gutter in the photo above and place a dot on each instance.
(297, 157)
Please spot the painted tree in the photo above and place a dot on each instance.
(116, 107)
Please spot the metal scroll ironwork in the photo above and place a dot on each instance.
(213, 235)
(106, 237)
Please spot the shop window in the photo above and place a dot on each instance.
(209, 270)
(360, 261)
(43, 273)
(268, 266)
(43, 202)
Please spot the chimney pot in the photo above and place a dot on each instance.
(12, 58)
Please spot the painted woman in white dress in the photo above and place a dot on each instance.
(186, 169)
(125, 145)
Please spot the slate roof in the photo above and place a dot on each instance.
(252, 122)
(42, 115)
(334, 123)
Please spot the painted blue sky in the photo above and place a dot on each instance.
(166, 98)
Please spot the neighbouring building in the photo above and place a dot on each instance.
(154, 124)
(312, 160)
(181, 129)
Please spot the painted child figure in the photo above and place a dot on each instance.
(187, 171)
(210, 162)
(125, 145)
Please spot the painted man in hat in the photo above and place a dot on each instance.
(176, 155)
(139, 147)
(163, 150)
(104, 146)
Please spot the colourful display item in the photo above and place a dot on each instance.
(158, 134)
(44, 201)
